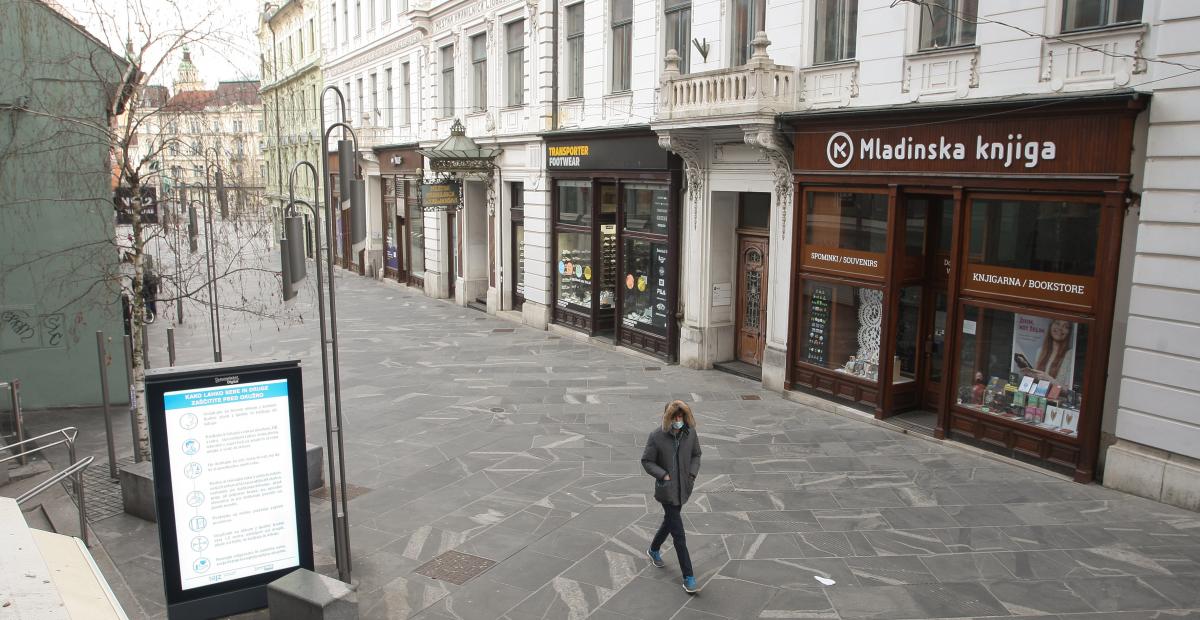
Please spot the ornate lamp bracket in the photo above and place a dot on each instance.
(778, 151)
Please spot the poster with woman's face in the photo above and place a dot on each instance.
(1044, 348)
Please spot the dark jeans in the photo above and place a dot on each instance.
(673, 524)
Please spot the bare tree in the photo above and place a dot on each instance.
(151, 37)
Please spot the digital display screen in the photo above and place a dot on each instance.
(234, 496)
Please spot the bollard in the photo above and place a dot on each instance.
(137, 454)
(171, 346)
(108, 429)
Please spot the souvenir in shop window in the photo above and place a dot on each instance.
(842, 326)
(1023, 368)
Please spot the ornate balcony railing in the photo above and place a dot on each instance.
(758, 87)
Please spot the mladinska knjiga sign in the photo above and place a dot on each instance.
(126, 204)
(230, 483)
(441, 196)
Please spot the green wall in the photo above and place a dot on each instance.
(58, 264)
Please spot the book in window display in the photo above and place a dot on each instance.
(1038, 356)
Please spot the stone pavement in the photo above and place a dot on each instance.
(466, 432)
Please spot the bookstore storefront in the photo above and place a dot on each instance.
(615, 203)
(959, 263)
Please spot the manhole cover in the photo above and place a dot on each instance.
(502, 330)
(457, 568)
(751, 397)
(352, 491)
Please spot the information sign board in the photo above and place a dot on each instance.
(231, 483)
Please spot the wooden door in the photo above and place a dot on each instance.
(752, 299)
(452, 243)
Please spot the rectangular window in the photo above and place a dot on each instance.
(405, 93)
(312, 36)
(678, 17)
(370, 14)
(622, 44)
(349, 102)
(646, 208)
(1082, 14)
(333, 14)
(300, 44)
(387, 11)
(345, 21)
(375, 115)
(947, 23)
(479, 72)
(644, 304)
(357, 18)
(575, 203)
(1023, 368)
(389, 103)
(1051, 236)
(416, 227)
(362, 111)
(749, 18)
(837, 27)
(848, 221)
(447, 63)
(515, 41)
(832, 330)
(575, 50)
(571, 288)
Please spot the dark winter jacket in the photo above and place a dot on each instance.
(677, 454)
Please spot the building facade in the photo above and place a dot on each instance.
(59, 271)
(967, 218)
(290, 52)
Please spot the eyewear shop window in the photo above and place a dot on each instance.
(613, 260)
(887, 328)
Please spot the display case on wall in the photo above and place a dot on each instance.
(574, 271)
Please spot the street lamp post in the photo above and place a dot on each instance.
(212, 246)
(330, 372)
(210, 269)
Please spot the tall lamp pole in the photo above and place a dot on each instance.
(210, 268)
(212, 246)
(292, 261)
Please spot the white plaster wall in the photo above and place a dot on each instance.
(1160, 387)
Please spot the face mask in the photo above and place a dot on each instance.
(677, 424)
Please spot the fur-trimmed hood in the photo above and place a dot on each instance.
(669, 414)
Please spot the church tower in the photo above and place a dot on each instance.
(188, 78)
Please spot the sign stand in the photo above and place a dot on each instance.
(230, 481)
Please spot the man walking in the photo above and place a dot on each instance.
(672, 456)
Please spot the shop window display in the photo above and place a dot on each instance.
(840, 328)
(574, 270)
(1050, 236)
(644, 300)
(1023, 368)
(849, 221)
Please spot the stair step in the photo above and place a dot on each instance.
(36, 518)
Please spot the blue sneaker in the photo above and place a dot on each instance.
(656, 557)
(689, 585)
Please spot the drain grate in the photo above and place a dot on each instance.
(455, 567)
(352, 491)
(101, 494)
(751, 397)
(502, 330)
(651, 368)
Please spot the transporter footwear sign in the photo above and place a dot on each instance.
(231, 484)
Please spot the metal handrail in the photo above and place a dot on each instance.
(74, 470)
(14, 389)
(49, 482)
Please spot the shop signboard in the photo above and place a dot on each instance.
(125, 204)
(1066, 290)
(1010, 143)
(441, 196)
(843, 261)
(230, 481)
(606, 153)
